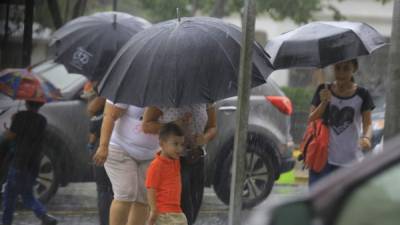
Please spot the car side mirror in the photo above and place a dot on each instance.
(299, 213)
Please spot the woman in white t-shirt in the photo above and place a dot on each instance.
(347, 109)
(126, 153)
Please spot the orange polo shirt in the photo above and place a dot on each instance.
(164, 176)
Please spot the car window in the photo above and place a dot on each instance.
(268, 89)
(375, 202)
(57, 74)
(379, 102)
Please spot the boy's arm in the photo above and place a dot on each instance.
(151, 199)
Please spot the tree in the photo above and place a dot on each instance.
(299, 11)
(392, 125)
(54, 9)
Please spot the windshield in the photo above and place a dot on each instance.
(57, 75)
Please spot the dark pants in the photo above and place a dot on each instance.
(20, 183)
(104, 194)
(192, 188)
(313, 176)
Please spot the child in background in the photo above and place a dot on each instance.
(28, 130)
(163, 180)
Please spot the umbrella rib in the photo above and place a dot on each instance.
(146, 86)
(222, 47)
(229, 29)
(124, 50)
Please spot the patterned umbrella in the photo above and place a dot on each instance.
(24, 84)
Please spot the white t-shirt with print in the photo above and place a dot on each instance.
(345, 120)
(128, 135)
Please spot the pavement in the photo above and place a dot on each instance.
(76, 205)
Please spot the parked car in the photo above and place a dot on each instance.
(367, 193)
(378, 122)
(66, 159)
(270, 144)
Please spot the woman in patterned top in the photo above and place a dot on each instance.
(347, 106)
(199, 124)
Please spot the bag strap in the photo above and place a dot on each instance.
(325, 116)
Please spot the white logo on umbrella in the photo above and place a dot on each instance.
(80, 58)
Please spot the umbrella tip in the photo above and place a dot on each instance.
(178, 16)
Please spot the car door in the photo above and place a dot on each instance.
(376, 201)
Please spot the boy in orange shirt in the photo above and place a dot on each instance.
(163, 180)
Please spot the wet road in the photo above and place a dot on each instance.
(76, 204)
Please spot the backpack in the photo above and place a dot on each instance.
(314, 146)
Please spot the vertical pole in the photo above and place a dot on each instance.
(392, 124)
(27, 39)
(242, 116)
(4, 42)
(114, 5)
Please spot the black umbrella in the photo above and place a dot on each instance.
(320, 44)
(175, 63)
(88, 44)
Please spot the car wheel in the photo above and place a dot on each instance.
(47, 181)
(259, 177)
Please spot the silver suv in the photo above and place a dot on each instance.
(67, 160)
(269, 151)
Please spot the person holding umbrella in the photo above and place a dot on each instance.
(95, 108)
(126, 153)
(347, 107)
(73, 45)
(177, 69)
(27, 131)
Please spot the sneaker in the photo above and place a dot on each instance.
(48, 220)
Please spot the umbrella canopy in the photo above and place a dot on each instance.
(176, 63)
(88, 44)
(23, 84)
(320, 44)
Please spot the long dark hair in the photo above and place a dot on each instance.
(355, 64)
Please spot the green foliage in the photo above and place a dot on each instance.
(298, 10)
(159, 10)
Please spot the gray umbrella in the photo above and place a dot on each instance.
(88, 44)
(177, 63)
(320, 44)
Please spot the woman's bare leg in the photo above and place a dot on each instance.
(119, 212)
(138, 214)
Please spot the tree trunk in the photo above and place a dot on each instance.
(54, 8)
(66, 11)
(195, 4)
(79, 8)
(4, 41)
(114, 8)
(27, 39)
(218, 9)
(392, 118)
